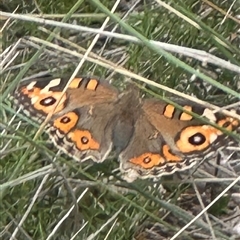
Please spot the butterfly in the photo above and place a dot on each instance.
(150, 137)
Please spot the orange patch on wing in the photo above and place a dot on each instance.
(169, 156)
(92, 84)
(148, 160)
(30, 93)
(232, 123)
(84, 140)
(66, 122)
(169, 110)
(75, 83)
(206, 135)
(37, 99)
(185, 116)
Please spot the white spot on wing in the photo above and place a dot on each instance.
(208, 113)
(213, 137)
(31, 85)
(34, 99)
(52, 83)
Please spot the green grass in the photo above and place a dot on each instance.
(39, 187)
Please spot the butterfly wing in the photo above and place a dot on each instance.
(81, 122)
(166, 139)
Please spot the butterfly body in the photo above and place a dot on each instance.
(92, 118)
